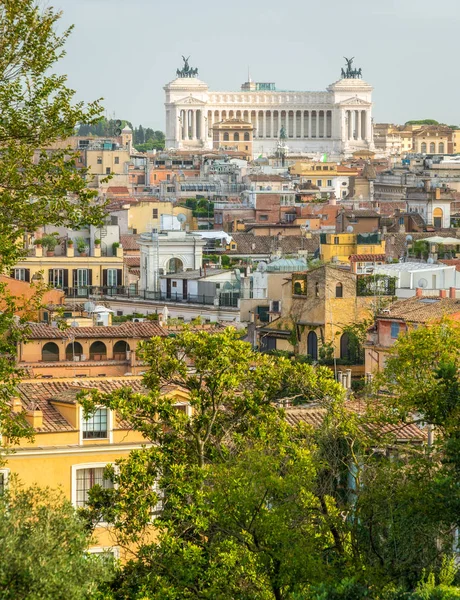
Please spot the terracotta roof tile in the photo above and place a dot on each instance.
(132, 261)
(368, 258)
(421, 309)
(39, 331)
(129, 242)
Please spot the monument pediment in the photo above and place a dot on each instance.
(190, 100)
(354, 102)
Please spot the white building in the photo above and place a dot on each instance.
(336, 121)
(168, 252)
(430, 278)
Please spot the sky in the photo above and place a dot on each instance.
(125, 51)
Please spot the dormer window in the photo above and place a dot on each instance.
(96, 425)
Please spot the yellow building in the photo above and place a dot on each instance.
(328, 177)
(432, 139)
(76, 275)
(338, 247)
(456, 141)
(315, 307)
(233, 134)
(70, 451)
(148, 214)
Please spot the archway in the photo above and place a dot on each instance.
(437, 217)
(73, 349)
(50, 352)
(120, 349)
(345, 347)
(98, 351)
(175, 265)
(312, 345)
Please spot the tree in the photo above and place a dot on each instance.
(44, 549)
(38, 187)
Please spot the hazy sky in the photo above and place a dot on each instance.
(126, 50)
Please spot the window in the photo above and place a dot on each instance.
(50, 352)
(263, 217)
(112, 277)
(441, 148)
(423, 148)
(4, 474)
(107, 170)
(339, 290)
(95, 426)
(117, 160)
(21, 274)
(56, 278)
(154, 213)
(236, 137)
(99, 160)
(432, 148)
(174, 284)
(246, 137)
(226, 137)
(319, 182)
(312, 345)
(168, 177)
(336, 240)
(84, 479)
(394, 330)
(329, 183)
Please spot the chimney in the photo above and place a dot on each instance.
(16, 404)
(418, 292)
(34, 416)
(443, 293)
(452, 292)
(160, 319)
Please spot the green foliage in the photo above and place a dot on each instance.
(81, 244)
(201, 207)
(49, 241)
(423, 122)
(44, 546)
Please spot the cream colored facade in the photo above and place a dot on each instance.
(233, 134)
(145, 216)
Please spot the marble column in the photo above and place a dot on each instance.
(358, 115)
(317, 124)
(264, 117)
(325, 125)
(257, 124)
(294, 129)
(302, 124)
(309, 124)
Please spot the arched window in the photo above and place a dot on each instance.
(339, 290)
(437, 217)
(236, 137)
(423, 147)
(226, 137)
(345, 347)
(297, 287)
(441, 148)
(50, 352)
(246, 136)
(312, 345)
(73, 349)
(175, 265)
(98, 351)
(432, 148)
(120, 349)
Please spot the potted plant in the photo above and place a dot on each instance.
(70, 243)
(81, 246)
(97, 243)
(49, 241)
(115, 245)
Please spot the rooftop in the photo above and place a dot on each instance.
(421, 309)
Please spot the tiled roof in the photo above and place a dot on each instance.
(41, 393)
(361, 212)
(367, 258)
(314, 415)
(421, 309)
(147, 329)
(451, 262)
(132, 261)
(129, 242)
(118, 190)
(248, 243)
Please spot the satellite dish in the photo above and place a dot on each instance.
(350, 229)
(422, 283)
(181, 218)
(430, 261)
(408, 238)
(89, 307)
(74, 324)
